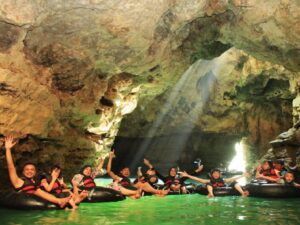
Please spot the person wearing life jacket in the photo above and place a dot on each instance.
(54, 184)
(149, 176)
(27, 183)
(125, 186)
(30, 184)
(216, 181)
(279, 168)
(88, 182)
(292, 167)
(173, 181)
(266, 172)
(289, 179)
(84, 183)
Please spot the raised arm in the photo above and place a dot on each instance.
(194, 173)
(108, 169)
(185, 174)
(231, 179)
(139, 172)
(49, 186)
(260, 176)
(199, 168)
(15, 180)
(148, 164)
(98, 168)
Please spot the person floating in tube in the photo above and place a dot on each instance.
(123, 183)
(174, 181)
(267, 172)
(216, 181)
(27, 183)
(54, 184)
(84, 183)
(289, 179)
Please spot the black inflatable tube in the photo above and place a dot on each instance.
(272, 190)
(219, 191)
(190, 190)
(103, 194)
(15, 200)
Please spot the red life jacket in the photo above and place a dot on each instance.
(269, 173)
(168, 182)
(217, 182)
(29, 186)
(88, 182)
(57, 188)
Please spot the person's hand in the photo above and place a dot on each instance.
(112, 154)
(184, 174)
(200, 168)
(277, 180)
(146, 162)
(100, 159)
(61, 181)
(259, 176)
(70, 192)
(9, 142)
(258, 168)
(55, 173)
(247, 174)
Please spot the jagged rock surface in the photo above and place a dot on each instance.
(70, 70)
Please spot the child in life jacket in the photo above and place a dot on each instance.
(279, 168)
(289, 179)
(84, 183)
(267, 172)
(216, 181)
(53, 183)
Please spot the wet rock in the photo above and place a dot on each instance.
(9, 35)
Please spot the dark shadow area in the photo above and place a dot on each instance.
(177, 150)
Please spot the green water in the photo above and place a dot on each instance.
(184, 209)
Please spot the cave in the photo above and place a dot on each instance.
(170, 81)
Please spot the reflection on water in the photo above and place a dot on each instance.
(189, 209)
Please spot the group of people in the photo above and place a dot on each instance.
(53, 189)
(276, 172)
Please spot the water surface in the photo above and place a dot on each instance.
(184, 209)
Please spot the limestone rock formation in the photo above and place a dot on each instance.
(233, 94)
(70, 70)
(287, 145)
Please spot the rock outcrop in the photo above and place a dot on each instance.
(234, 94)
(70, 70)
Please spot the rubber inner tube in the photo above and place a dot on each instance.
(103, 194)
(219, 191)
(272, 190)
(19, 200)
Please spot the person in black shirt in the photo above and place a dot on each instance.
(173, 182)
(126, 186)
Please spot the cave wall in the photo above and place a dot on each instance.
(71, 70)
(232, 94)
